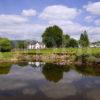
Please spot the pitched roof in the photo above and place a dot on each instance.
(34, 42)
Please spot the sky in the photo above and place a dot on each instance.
(28, 19)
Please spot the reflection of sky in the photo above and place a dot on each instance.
(58, 90)
(64, 87)
(71, 76)
(20, 77)
(94, 94)
(30, 81)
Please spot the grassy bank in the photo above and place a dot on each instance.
(92, 51)
(57, 54)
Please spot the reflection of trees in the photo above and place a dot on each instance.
(53, 72)
(5, 68)
(88, 70)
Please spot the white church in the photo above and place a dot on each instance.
(35, 45)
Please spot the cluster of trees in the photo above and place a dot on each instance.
(19, 44)
(5, 45)
(53, 36)
(84, 40)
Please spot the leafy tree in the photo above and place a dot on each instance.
(84, 40)
(5, 45)
(66, 39)
(52, 37)
(19, 44)
(73, 43)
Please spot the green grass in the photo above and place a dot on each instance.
(91, 51)
(50, 51)
(69, 51)
(6, 55)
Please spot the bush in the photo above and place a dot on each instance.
(82, 58)
(91, 59)
(5, 45)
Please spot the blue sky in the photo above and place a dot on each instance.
(27, 19)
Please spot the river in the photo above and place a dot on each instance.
(48, 81)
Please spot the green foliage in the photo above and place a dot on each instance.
(22, 44)
(5, 45)
(19, 44)
(5, 68)
(84, 40)
(88, 70)
(73, 43)
(91, 59)
(82, 58)
(69, 42)
(66, 39)
(52, 37)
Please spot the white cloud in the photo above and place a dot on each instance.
(74, 29)
(6, 19)
(93, 8)
(89, 19)
(19, 27)
(68, 26)
(59, 12)
(22, 31)
(94, 30)
(97, 22)
(29, 12)
(94, 33)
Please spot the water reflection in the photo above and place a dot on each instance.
(36, 64)
(88, 70)
(5, 68)
(49, 81)
(53, 72)
(58, 90)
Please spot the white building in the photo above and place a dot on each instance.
(97, 45)
(35, 45)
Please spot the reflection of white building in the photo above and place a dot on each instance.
(37, 64)
(35, 45)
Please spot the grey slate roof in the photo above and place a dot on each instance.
(32, 42)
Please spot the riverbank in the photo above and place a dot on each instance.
(61, 55)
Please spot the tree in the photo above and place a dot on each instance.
(66, 39)
(84, 40)
(52, 37)
(21, 44)
(5, 45)
(73, 43)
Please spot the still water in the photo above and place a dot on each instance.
(47, 81)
